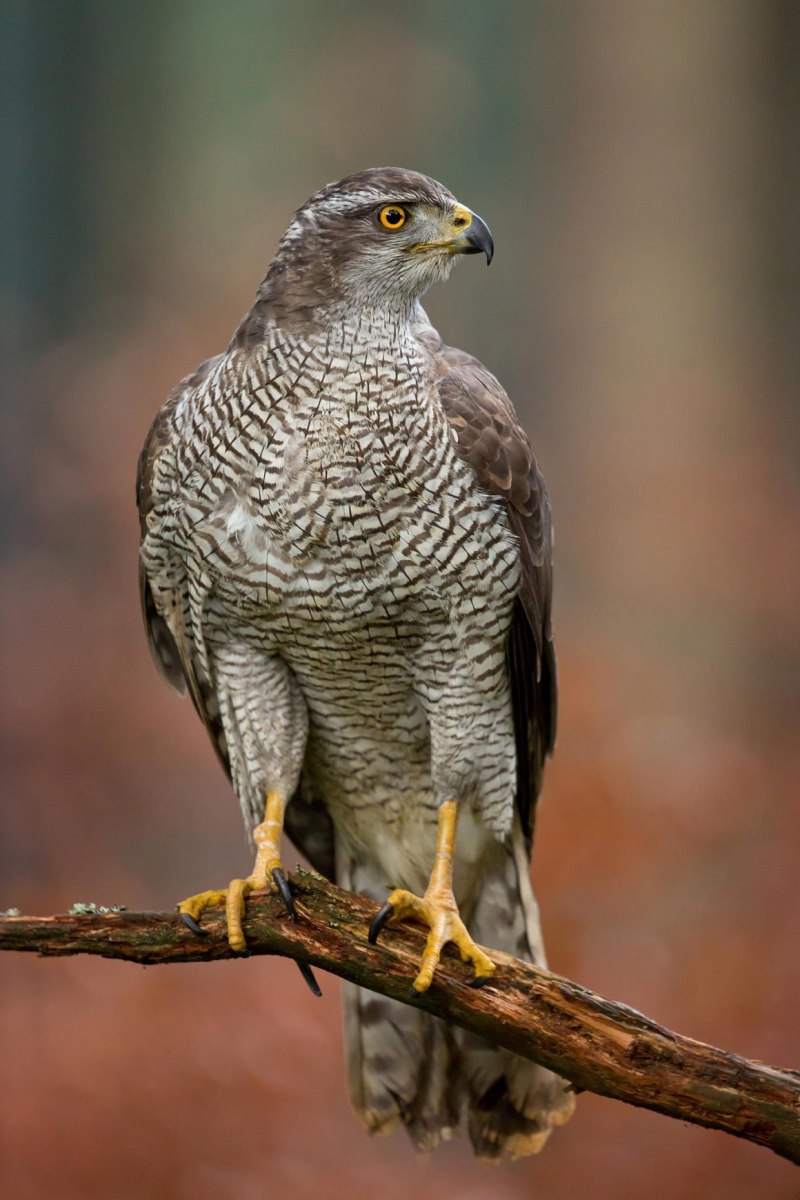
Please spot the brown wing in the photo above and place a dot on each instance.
(170, 646)
(494, 444)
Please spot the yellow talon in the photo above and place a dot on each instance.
(267, 837)
(196, 904)
(438, 910)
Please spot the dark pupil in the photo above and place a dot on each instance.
(394, 216)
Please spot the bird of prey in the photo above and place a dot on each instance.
(346, 559)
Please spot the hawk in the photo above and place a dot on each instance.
(346, 560)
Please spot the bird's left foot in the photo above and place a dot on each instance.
(438, 910)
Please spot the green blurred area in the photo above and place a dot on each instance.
(637, 164)
(157, 128)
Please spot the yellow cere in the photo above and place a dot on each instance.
(462, 217)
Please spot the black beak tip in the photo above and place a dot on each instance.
(480, 240)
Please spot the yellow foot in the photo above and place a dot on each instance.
(267, 870)
(438, 910)
(233, 897)
(267, 873)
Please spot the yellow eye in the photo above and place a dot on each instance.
(392, 216)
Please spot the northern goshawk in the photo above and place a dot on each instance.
(346, 559)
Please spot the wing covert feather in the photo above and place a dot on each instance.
(169, 639)
(491, 440)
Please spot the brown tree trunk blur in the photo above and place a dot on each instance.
(668, 319)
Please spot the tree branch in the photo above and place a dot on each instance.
(599, 1045)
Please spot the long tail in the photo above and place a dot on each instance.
(407, 1067)
(400, 1060)
(512, 1103)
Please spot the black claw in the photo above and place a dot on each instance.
(308, 975)
(480, 981)
(190, 923)
(378, 922)
(282, 884)
(413, 993)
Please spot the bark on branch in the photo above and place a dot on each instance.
(599, 1045)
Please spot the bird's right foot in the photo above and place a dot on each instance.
(233, 898)
(267, 875)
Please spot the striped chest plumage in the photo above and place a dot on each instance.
(318, 488)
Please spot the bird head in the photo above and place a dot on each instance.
(378, 239)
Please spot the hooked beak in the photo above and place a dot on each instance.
(475, 239)
(461, 231)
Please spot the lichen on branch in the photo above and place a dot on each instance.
(599, 1045)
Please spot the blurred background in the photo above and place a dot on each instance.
(637, 163)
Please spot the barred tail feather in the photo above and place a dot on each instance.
(513, 1103)
(408, 1068)
(400, 1060)
(399, 1068)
